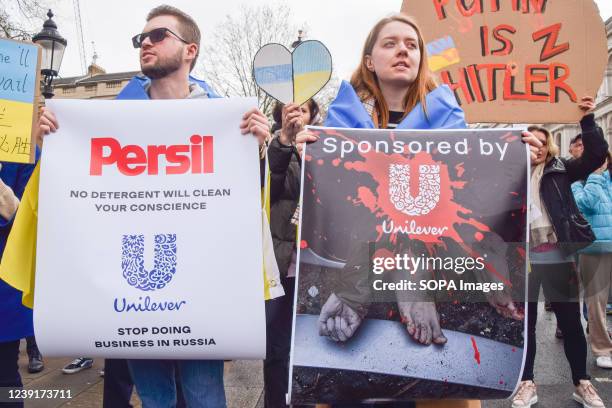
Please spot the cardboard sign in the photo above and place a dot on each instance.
(404, 228)
(149, 233)
(19, 94)
(515, 61)
(292, 76)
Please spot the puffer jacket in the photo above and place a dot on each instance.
(594, 199)
(285, 174)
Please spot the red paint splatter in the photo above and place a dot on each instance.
(476, 352)
(447, 213)
(383, 253)
(308, 157)
(320, 162)
(303, 244)
(509, 137)
(479, 236)
(513, 350)
(514, 193)
(460, 169)
(336, 162)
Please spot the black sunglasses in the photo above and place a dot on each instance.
(155, 36)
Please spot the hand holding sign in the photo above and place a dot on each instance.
(292, 77)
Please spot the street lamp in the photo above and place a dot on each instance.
(299, 40)
(53, 46)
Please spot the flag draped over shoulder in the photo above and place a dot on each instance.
(443, 112)
(19, 259)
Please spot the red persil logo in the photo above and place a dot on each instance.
(133, 160)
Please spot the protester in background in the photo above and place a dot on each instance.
(285, 173)
(594, 199)
(169, 47)
(556, 224)
(576, 147)
(15, 318)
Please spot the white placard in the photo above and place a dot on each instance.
(149, 233)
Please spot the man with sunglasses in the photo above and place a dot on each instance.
(169, 47)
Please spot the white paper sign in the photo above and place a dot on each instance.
(149, 233)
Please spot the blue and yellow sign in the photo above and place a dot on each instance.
(19, 79)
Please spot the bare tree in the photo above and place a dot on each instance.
(18, 18)
(228, 56)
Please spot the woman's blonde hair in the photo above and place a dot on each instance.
(553, 149)
(366, 84)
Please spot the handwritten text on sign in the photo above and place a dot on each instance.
(18, 83)
(514, 55)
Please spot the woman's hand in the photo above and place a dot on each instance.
(305, 136)
(47, 123)
(292, 123)
(586, 105)
(257, 124)
(533, 142)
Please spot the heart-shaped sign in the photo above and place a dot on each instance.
(292, 76)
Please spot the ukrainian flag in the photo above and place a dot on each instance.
(19, 259)
(442, 53)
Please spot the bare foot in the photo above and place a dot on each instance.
(422, 322)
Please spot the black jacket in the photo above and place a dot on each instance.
(285, 176)
(560, 173)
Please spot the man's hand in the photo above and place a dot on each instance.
(292, 123)
(256, 123)
(305, 136)
(422, 322)
(533, 142)
(47, 123)
(8, 201)
(586, 105)
(337, 320)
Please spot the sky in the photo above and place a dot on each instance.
(342, 25)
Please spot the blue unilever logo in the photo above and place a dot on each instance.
(164, 262)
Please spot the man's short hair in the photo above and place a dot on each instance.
(187, 26)
(576, 138)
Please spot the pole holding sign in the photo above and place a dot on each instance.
(19, 94)
(519, 61)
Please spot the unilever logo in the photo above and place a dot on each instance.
(164, 262)
(429, 189)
